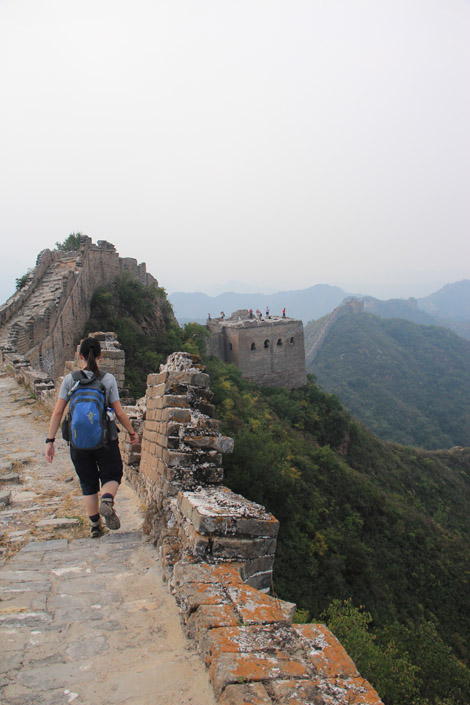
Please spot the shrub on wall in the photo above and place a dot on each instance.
(142, 317)
(72, 242)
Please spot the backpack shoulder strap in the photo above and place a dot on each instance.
(78, 375)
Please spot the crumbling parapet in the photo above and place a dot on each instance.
(191, 516)
(217, 550)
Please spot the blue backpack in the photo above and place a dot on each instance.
(86, 426)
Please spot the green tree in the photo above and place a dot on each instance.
(21, 281)
(388, 668)
(72, 242)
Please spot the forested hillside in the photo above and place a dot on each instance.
(362, 523)
(407, 383)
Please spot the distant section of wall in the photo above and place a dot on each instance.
(269, 351)
(315, 344)
(41, 322)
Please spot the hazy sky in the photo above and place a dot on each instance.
(283, 143)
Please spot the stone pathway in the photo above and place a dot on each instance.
(84, 621)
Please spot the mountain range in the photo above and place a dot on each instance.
(448, 307)
(406, 382)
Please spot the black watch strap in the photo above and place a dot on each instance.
(50, 440)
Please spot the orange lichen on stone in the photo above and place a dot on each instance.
(325, 651)
(275, 639)
(210, 617)
(192, 595)
(354, 691)
(239, 668)
(254, 607)
(227, 574)
(246, 694)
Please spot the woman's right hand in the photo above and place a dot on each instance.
(49, 452)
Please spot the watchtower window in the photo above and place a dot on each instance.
(279, 342)
(266, 343)
(253, 346)
(292, 341)
(230, 346)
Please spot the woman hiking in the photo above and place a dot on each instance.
(101, 465)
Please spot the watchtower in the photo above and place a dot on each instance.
(269, 350)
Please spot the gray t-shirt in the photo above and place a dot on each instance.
(108, 381)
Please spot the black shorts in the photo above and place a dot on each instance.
(97, 466)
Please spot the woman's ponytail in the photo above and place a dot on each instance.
(90, 349)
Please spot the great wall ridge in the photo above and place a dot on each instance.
(216, 548)
(42, 320)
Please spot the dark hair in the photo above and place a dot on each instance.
(91, 349)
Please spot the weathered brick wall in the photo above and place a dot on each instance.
(268, 351)
(42, 321)
(314, 345)
(17, 300)
(217, 550)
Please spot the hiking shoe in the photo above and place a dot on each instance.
(96, 529)
(110, 516)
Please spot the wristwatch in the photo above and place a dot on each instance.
(50, 440)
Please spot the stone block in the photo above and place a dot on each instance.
(220, 511)
(207, 425)
(176, 459)
(191, 379)
(5, 498)
(222, 444)
(176, 415)
(207, 409)
(173, 401)
(170, 550)
(224, 548)
(325, 652)
(240, 667)
(156, 378)
(203, 573)
(192, 595)
(261, 565)
(12, 477)
(208, 617)
(209, 475)
(245, 694)
(58, 523)
(254, 607)
(274, 639)
(322, 691)
(182, 478)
